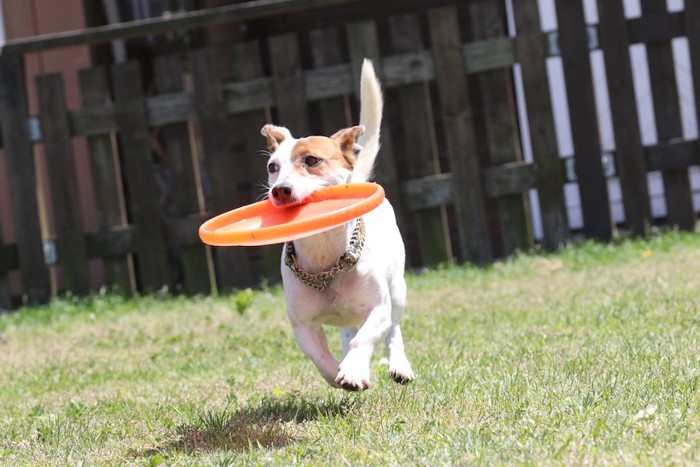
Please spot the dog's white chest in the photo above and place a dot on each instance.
(343, 304)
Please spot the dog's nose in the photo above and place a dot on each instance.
(282, 193)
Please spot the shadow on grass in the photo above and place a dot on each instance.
(266, 423)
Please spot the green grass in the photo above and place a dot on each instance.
(588, 356)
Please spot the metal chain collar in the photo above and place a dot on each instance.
(322, 280)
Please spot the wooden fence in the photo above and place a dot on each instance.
(451, 151)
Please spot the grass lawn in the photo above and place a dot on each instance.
(588, 356)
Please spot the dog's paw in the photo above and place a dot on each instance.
(401, 373)
(352, 381)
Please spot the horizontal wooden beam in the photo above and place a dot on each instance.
(672, 155)
(656, 28)
(320, 83)
(111, 243)
(427, 192)
(187, 20)
(508, 179)
(9, 260)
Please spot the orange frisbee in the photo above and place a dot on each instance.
(263, 223)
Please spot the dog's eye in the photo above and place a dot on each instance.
(311, 161)
(272, 167)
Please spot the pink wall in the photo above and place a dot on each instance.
(25, 18)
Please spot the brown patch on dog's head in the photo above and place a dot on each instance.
(347, 141)
(320, 156)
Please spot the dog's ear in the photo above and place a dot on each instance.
(274, 135)
(347, 139)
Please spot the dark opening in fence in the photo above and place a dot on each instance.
(173, 141)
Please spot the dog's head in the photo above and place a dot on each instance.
(298, 167)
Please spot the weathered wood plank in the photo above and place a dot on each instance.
(288, 78)
(141, 186)
(692, 27)
(177, 150)
(532, 56)
(592, 185)
(629, 151)
(672, 155)
(112, 244)
(679, 202)
(428, 192)
(106, 176)
(509, 179)
(320, 83)
(420, 146)
(656, 26)
(6, 264)
(494, 117)
(486, 54)
(363, 41)
(459, 135)
(248, 146)
(232, 264)
(22, 179)
(64, 191)
(178, 21)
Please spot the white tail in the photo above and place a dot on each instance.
(371, 107)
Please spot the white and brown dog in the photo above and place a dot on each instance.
(352, 276)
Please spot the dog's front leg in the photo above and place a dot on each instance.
(354, 369)
(312, 342)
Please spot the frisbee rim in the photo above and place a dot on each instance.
(368, 196)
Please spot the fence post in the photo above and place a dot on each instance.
(593, 189)
(532, 58)
(22, 178)
(107, 180)
(5, 299)
(451, 78)
(58, 145)
(141, 187)
(168, 78)
(420, 144)
(232, 264)
(679, 200)
(493, 99)
(364, 43)
(612, 32)
(248, 142)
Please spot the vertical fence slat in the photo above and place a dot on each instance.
(679, 201)
(692, 31)
(232, 264)
(168, 78)
(141, 187)
(364, 43)
(493, 102)
(532, 57)
(421, 153)
(5, 299)
(325, 51)
(247, 147)
(72, 255)
(288, 78)
(106, 176)
(459, 134)
(614, 40)
(573, 41)
(22, 179)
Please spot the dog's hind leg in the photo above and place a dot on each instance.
(312, 342)
(399, 366)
